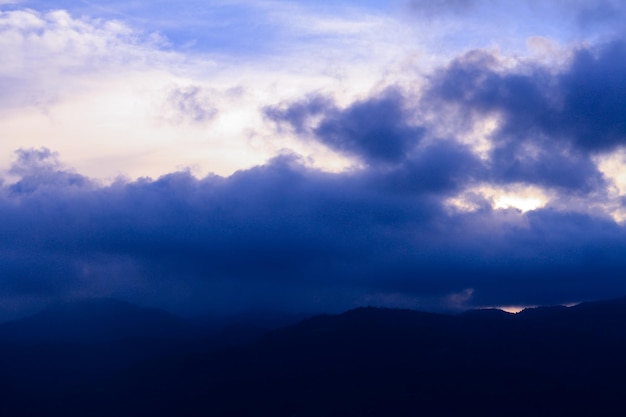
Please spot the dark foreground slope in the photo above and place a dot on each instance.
(551, 361)
(46, 358)
(381, 362)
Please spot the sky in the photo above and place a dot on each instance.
(312, 156)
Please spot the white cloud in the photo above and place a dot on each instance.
(100, 92)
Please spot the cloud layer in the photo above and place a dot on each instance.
(286, 235)
(414, 216)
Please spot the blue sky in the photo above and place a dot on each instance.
(312, 156)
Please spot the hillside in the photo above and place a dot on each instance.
(370, 361)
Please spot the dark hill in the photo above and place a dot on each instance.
(95, 321)
(384, 362)
(68, 345)
(378, 362)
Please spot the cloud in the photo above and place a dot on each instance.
(287, 236)
(65, 42)
(430, 8)
(376, 130)
(297, 115)
(41, 168)
(128, 81)
(284, 234)
(550, 123)
(443, 167)
(588, 14)
(54, 58)
(190, 104)
(382, 132)
(579, 104)
(593, 91)
(540, 134)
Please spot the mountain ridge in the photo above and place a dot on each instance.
(376, 361)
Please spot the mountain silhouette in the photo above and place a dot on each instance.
(66, 345)
(551, 361)
(95, 321)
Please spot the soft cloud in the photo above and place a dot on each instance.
(190, 104)
(39, 168)
(429, 9)
(137, 106)
(65, 43)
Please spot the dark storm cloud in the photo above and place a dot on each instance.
(580, 105)
(377, 129)
(550, 255)
(546, 164)
(551, 124)
(594, 96)
(442, 167)
(275, 226)
(381, 131)
(284, 235)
